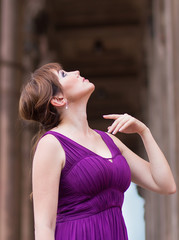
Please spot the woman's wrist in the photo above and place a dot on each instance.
(145, 131)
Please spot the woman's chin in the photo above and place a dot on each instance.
(90, 90)
(92, 87)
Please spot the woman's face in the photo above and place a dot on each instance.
(74, 86)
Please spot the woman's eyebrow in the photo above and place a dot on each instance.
(59, 72)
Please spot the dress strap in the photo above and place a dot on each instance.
(70, 147)
(73, 153)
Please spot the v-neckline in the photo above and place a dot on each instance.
(87, 149)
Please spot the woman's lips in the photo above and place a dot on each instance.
(84, 79)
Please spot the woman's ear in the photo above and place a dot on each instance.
(58, 101)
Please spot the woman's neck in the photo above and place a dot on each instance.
(74, 120)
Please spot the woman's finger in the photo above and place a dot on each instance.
(115, 123)
(121, 125)
(112, 116)
(126, 125)
(118, 122)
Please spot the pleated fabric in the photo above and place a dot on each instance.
(91, 192)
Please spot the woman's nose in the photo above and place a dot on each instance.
(77, 72)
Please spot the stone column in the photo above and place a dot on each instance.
(27, 228)
(162, 211)
(10, 75)
(30, 58)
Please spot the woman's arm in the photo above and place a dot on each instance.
(48, 162)
(154, 175)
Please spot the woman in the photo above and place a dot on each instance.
(79, 174)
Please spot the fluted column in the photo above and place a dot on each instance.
(162, 215)
(10, 75)
(27, 228)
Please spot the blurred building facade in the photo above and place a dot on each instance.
(129, 49)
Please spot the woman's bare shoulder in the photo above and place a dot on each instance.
(49, 142)
(49, 147)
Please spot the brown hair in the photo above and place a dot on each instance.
(35, 99)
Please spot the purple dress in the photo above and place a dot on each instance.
(91, 192)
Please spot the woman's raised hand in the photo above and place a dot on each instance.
(125, 123)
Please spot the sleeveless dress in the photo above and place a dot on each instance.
(91, 192)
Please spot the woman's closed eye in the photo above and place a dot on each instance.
(63, 74)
